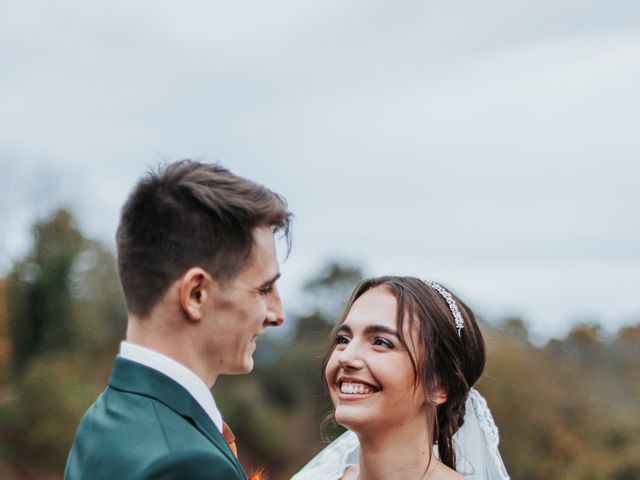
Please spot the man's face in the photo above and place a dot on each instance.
(241, 311)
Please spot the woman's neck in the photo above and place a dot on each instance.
(402, 452)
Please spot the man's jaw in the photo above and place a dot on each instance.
(254, 339)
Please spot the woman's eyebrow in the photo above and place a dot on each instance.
(380, 329)
(371, 329)
(344, 328)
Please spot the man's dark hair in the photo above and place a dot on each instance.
(190, 214)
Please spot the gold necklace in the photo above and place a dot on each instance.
(428, 475)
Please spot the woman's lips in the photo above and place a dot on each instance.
(355, 389)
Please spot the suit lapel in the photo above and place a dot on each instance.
(133, 377)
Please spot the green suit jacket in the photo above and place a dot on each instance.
(146, 426)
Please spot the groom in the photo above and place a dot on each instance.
(198, 266)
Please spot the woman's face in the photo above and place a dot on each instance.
(369, 373)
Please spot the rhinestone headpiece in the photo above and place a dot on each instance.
(452, 305)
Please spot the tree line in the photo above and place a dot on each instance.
(567, 409)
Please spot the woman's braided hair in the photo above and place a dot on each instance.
(447, 358)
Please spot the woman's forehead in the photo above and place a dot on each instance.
(377, 305)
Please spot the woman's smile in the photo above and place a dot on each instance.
(369, 372)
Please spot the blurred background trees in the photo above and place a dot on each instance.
(62, 318)
(566, 409)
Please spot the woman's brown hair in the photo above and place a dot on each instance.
(445, 358)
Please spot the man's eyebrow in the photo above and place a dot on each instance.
(270, 282)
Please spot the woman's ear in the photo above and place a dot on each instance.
(194, 286)
(439, 396)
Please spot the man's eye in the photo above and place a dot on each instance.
(383, 342)
(266, 290)
(342, 339)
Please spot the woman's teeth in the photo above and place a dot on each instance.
(357, 388)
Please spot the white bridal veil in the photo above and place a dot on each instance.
(476, 446)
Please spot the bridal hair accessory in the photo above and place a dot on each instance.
(452, 305)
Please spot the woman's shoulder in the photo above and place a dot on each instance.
(351, 473)
(447, 473)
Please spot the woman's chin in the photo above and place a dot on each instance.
(354, 421)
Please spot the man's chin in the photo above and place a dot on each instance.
(246, 367)
(249, 367)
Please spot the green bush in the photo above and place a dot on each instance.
(44, 413)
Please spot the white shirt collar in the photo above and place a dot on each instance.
(177, 372)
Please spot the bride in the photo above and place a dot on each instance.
(404, 358)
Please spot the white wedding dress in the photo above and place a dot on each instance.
(476, 446)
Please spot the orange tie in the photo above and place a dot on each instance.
(230, 438)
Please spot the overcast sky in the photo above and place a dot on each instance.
(490, 145)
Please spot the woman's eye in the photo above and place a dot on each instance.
(341, 340)
(383, 342)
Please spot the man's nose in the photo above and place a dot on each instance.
(275, 310)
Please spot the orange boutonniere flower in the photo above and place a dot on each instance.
(260, 474)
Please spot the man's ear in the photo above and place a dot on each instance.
(439, 396)
(193, 292)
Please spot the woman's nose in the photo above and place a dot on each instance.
(350, 357)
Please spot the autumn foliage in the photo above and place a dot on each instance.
(566, 409)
